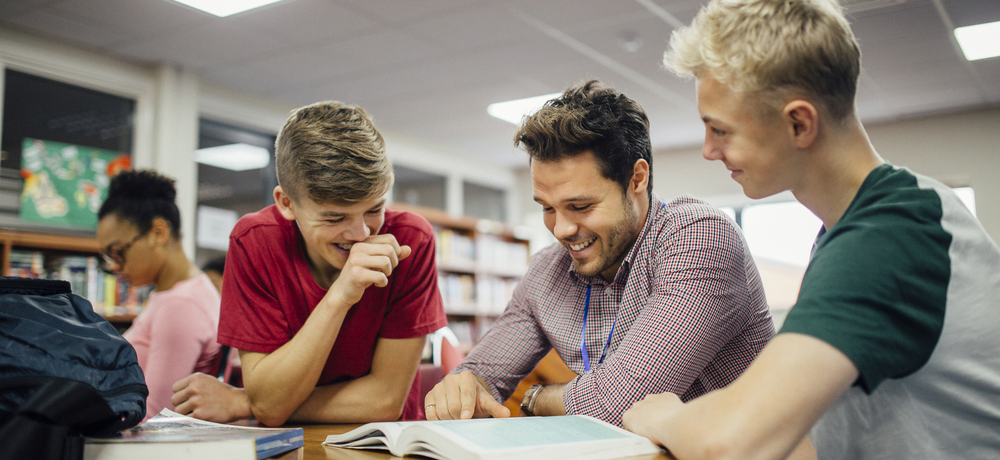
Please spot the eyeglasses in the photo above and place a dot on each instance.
(116, 256)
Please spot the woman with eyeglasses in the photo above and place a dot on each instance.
(139, 234)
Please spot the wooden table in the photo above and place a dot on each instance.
(315, 450)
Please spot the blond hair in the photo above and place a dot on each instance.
(332, 152)
(771, 50)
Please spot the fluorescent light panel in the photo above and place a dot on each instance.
(223, 8)
(234, 157)
(980, 41)
(514, 111)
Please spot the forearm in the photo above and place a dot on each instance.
(764, 414)
(550, 400)
(277, 383)
(378, 396)
(362, 400)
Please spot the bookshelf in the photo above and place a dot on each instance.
(479, 263)
(75, 259)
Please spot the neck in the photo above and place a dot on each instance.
(322, 272)
(837, 166)
(176, 268)
(643, 211)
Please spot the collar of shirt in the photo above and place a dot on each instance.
(655, 209)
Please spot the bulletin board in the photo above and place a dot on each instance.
(65, 184)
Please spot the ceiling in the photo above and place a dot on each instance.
(427, 69)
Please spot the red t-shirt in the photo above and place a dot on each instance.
(268, 292)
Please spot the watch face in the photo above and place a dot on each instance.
(529, 398)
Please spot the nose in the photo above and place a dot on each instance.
(358, 231)
(563, 227)
(710, 150)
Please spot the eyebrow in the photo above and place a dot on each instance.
(341, 214)
(569, 200)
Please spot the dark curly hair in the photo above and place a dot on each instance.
(592, 116)
(139, 197)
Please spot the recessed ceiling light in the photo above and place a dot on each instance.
(980, 41)
(514, 111)
(223, 8)
(234, 157)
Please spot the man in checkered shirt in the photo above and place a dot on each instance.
(665, 295)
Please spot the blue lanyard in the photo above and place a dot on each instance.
(583, 336)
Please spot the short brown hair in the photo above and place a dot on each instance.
(773, 49)
(595, 117)
(332, 152)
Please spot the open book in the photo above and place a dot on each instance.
(571, 436)
(170, 435)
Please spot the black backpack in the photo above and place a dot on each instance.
(64, 372)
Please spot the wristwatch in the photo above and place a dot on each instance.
(528, 403)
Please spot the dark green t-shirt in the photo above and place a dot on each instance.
(876, 284)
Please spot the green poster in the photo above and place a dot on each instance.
(65, 184)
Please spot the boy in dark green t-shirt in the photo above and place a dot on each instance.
(889, 351)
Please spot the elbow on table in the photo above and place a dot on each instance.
(270, 416)
(388, 410)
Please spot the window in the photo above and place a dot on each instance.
(418, 188)
(484, 202)
(76, 138)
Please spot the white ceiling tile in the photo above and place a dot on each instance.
(52, 23)
(403, 11)
(565, 14)
(310, 22)
(11, 8)
(971, 12)
(473, 28)
(202, 46)
(139, 17)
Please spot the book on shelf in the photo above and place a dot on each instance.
(170, 435)
(569, 436)
(108, 293)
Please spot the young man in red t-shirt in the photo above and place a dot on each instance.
(327, 295)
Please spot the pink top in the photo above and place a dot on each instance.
(175, 336)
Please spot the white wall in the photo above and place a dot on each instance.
(959, 149)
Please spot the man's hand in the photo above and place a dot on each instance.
(648, 414)
(463, 396)
(370, 262)
(204, 397)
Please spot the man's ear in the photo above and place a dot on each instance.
(803, 122)
(640, 178)
(285, 203)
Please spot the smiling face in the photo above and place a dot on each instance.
(756, 149)
(330, 230)
(588, 213)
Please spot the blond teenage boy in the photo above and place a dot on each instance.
(890, 351)
(327, 294)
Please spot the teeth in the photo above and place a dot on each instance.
(346, 247)
(581, 246)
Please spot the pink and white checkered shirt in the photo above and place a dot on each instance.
(690, 307)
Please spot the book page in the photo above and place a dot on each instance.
(513, 433)
(368, 436)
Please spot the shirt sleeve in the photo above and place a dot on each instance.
(177, 338)
(250, 318)
(699, 282)
(415, 307)
(876, 290)
(511, 348)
